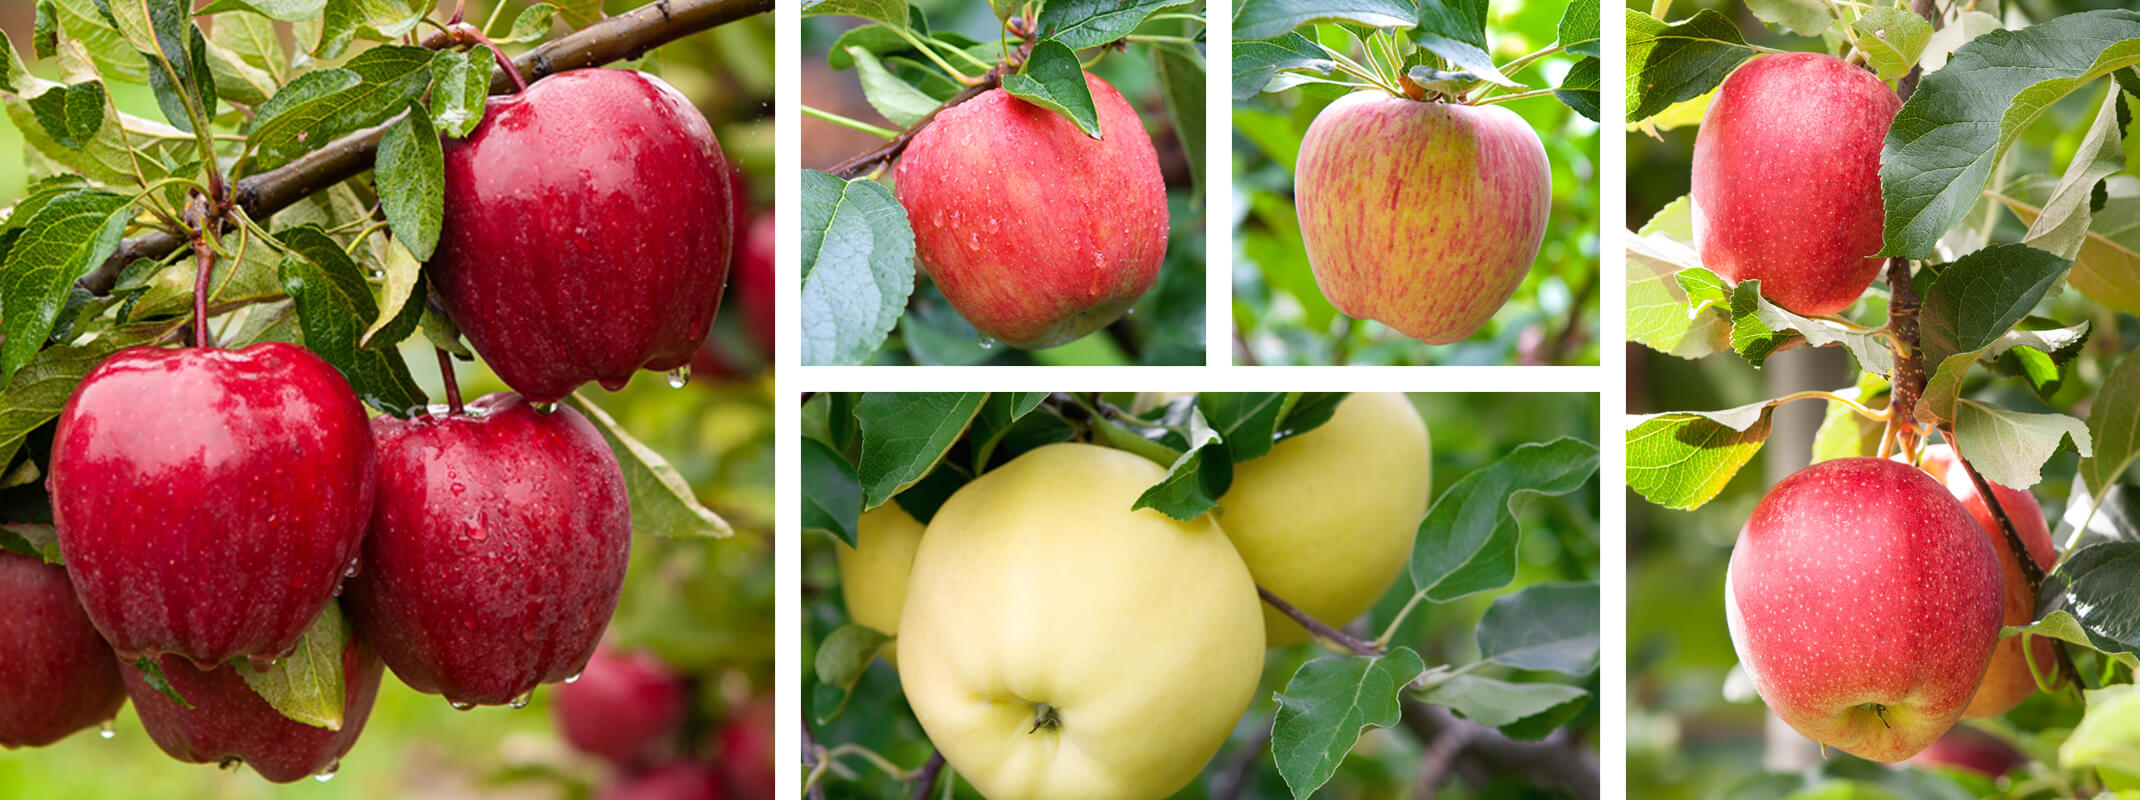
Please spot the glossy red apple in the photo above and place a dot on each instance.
(621, 706)
(586, 234)
(1786, 183)
(497, 549)
(1036, 233)
(209, 501)
(56, 672)
(229, 721)
(684, 780)
(2008, 681)
(746, 751)
(1864, 603)
(1422, 216)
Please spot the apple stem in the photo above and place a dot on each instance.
(198, 215)
(1320, 629)
(925, 781)
(453, 387)
(465, 32)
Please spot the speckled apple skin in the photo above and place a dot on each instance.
(228, 720)
(209, 502)
(1421, 216)
(1036, 233)
(2008, 681)
(56, 672)
(586, 234)
(497, 551)
(1861, 581)
(1786, 183)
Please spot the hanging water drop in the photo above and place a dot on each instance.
(461, 705)
(574, 679)
(987, 341)
(327, 774)
(105, 731)
(679, 376)
(523, 700)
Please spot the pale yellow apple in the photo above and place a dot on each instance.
(1326, 519)
(873, 577)
(1058, 646)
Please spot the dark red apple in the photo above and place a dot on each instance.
(229, 721)
(684, 780)
(497, 549)
(56, 672)
(1972, 750)
(746, 751)
(586, 234)
(621, 706)
(755, 284)
(1037, 233)
(1787, 179)
(209, 501)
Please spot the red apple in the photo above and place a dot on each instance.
(228, 721)
(210, 501)
(755, 285)
(746, 751)
(621, 706)
(497, 549)
(1422, 216)
(1787, 179)
(1036, 233)
(56, 672)
(586, 234)
(1864, 603)
(683, 780)
(1966, 748)
(2008, 682)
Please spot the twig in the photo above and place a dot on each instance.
(1317, 627)
(1552, 350)
(617, 38)
(1556, 762)
(812, 757)
(890, 150)
(925, 780)
(1440, 756)
(1908, 382)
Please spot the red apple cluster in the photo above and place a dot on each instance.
(209, 504)
(631, 709)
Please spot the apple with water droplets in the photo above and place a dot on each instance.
(497, 549)
(587, 231)
(209, 502)
(56, 673)
(229, 721)
(1037, 233)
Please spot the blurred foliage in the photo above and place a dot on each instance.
(1166, 326)
(1281, 317)
(704, 606)
(1468, 431)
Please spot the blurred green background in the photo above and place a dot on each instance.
(1468, 431)
(1165, 327)
(1692, 730)
(1281, 317)
(706, 607)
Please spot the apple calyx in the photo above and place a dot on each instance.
(1045, 716)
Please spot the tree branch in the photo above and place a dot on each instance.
(1556, 762)
(890, 150)
(622, 37)
(1908, 382)
(1318, 628)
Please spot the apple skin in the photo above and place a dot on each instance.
(2008, 681)
(1326, 519)
(57, 675)
(229, 721)
(497, 551)
(1036, 233)
(1037, 587)
(684, 780)
(1421, 216)
(873, 577)
(755, 285)
(746, 751)
(586, 234)
(1786, 185)
(1972, 750)
(1864, 603)
(209, 502)
(621, 706)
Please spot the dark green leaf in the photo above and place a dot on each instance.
(460, 88)
(841, 658)
(2095, 588)
(904, 434)
(388, 79)
(411, 176)
(1255, 63)
(1668, 64)
(1327, 704)
(1270, 19)
(63, 241)
(1053, 80)
(1181, 85)
(72, 115)
(832, 497)
(1521, 710)
(1248, 421)
(1467, 543)
(1579, 88)
(1456, 31)
(44, 36)
(1079, 24)
(1970, 307)
(334, 306)
(1547, 626)
(922, 500)
(1194, 482)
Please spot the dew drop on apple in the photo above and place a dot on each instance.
(523, 700)
(327, 774)
(458, 488)
(460, 705)
(574, 679)
(105, 731)
(679, 376)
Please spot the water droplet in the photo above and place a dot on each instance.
(475, 530)
(679, 376)
(327, 774)
(973, 241)
(574, 679)
(458, 488)
(355, 565)
(987, 341)
(460, 705)
(105, 731)
(523, 700)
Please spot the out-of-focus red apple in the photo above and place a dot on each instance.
(746, 751)
(1422, 216)
(1036, 233)
(2008, 682)
(754, 283)
(621, 706)
(1966, 748)
(684, 780)
(1787, 179)
(56, 673)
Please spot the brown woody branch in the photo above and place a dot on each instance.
(890, 150)
(1908, 382)
(619, 38)
(1560, 761)
(1320, 629)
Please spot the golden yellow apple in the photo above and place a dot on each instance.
(873, 577)
(1058, 646)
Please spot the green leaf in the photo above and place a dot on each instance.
(2108, 736)
(1456, 31)
(1521, 710)
(925, 497)
(1327, 704)
(1942, 146)
(1467, 543)
(380, 20)
(411, 175)
(1892, 39)
(663, 504)
(1844, 433)
(1683, 459)
(2114, 426)
(904, 434)
(307, 685)
(2094, 588)
(841, 658)
(234, 79)
(995, 420)
(1248, 421)
(889, 12)
(831, 495)
(460, 90)
(1579, 88)
(387, 79)
(1079, 24)
(1546, 626)
(1579, 24)
(72, 115)
(401, 296)
(858, 268)
(36, 394)
(1802, 17)
(253, 41)
(533, 24)
(896, 99)
(278, 10)
(1760, 328)
(59, 244)
(1255, 63)
(1194, 482)
(1970, 306)
(1181, 86)
(44, 37)
(1673, 63)
(113, 57)
(2061, 226)
(1053, 80)
(334, 306)
(36, 540)
(1270, 19)
(2010, 446)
